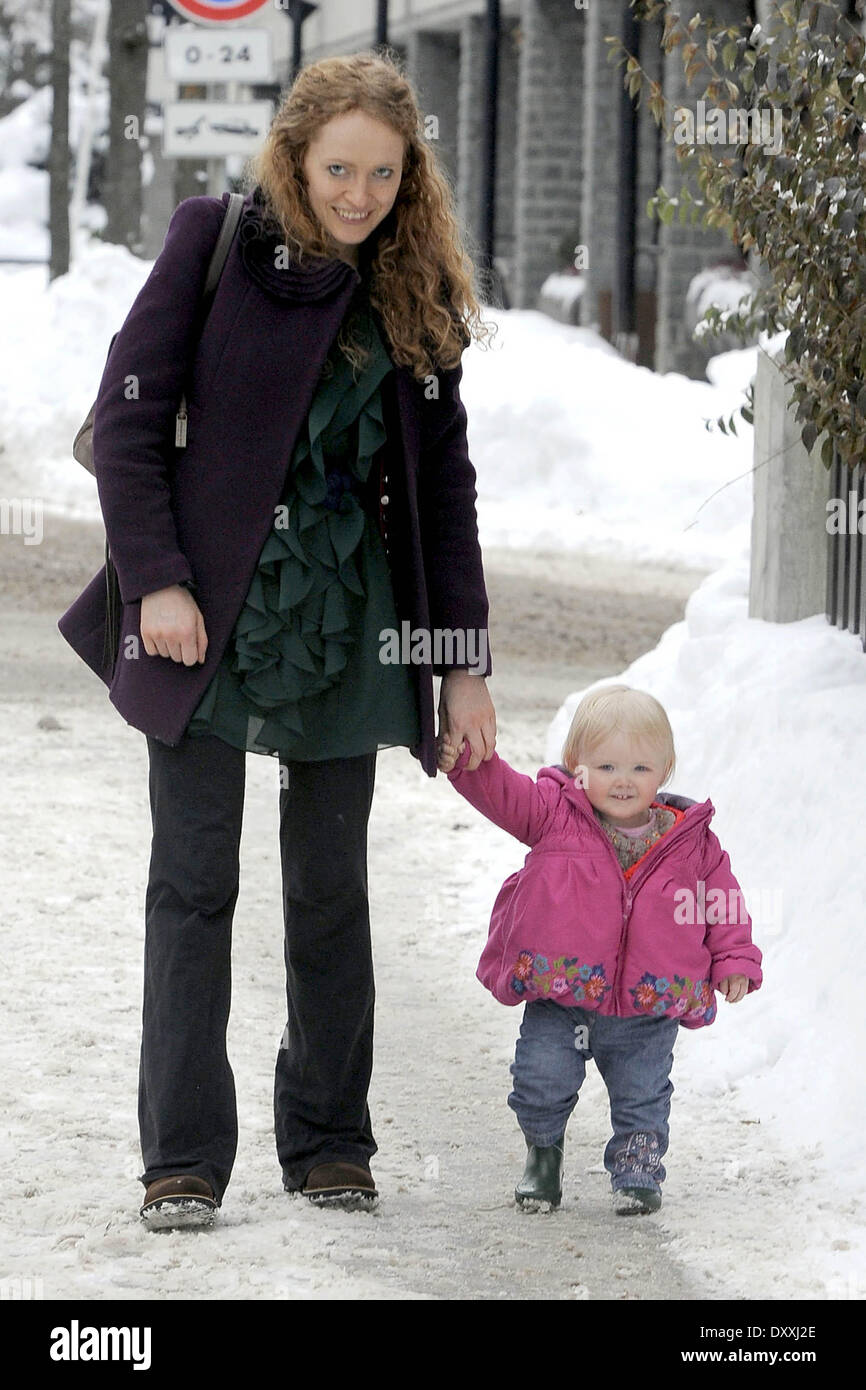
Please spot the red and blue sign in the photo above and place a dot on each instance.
(217, 11)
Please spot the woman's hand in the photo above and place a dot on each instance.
(172, 625)
(466, 712)
(734, 987)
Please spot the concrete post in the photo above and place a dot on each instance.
(791, 489)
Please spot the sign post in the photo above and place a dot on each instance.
(216, 54)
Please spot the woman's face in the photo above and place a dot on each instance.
(353, 169)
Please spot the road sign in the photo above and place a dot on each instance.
(211, 129)
(217, 11)
(203, 55)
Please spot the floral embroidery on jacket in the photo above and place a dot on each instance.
(656, 994)
(535, 974)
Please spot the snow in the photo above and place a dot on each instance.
(25, 134)
(562, 289)
(54, 348)
(721, 286)
(579, 450)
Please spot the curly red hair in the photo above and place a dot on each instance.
(421, 277)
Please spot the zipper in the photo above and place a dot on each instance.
(630, 887)
(630, 891)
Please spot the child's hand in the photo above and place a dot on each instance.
(734, 987)
(448, 753)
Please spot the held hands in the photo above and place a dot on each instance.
(734, 988)
(466, 712)
(447, 754)
(172, 625)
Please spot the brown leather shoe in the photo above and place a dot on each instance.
(181, 1201)
(345, 1185)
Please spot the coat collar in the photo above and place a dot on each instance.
(319, 277)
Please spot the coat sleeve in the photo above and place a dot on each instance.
(141, 386)
(729, 926)
(510, 799)
(449, 530)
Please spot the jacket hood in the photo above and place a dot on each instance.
(575, 793)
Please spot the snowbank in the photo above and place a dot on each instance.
(53, 351)
(577, 448)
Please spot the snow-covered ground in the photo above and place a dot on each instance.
(575, 449)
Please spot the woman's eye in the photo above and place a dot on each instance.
(385, 171)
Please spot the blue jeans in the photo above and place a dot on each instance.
(634, 1057)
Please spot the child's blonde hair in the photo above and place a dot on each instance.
(617, 709)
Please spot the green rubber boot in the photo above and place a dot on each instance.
(541, 1184)
(636, 1201)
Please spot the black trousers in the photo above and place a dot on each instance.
(187, 1109)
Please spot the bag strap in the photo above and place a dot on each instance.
(214, 271)
(221, 250)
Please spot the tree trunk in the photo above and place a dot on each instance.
(58, 159)
(127, 56)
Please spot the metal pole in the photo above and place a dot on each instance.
(58, 159)
(299, 10)
(625, 337)
(492, 33)
(381, 23)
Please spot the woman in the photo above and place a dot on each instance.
(325, 493)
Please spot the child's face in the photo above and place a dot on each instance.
(621, 776)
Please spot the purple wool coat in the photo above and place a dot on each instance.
(203, 513)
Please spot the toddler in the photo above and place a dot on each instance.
(621, 925)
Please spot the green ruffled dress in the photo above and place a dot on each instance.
(301, 676)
